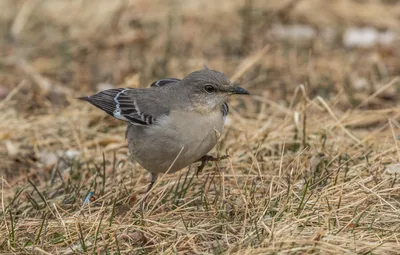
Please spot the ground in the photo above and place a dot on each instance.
(314, 151)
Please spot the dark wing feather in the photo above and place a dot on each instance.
(225, 109)
(120, 105)
(163, 82)
(103, 100)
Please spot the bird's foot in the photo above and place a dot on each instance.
(208, 158)
(153, 179)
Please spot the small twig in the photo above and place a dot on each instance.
(383, 88)
(337, 120)
(12, 93)
(41, 196)
(395, 140)
(249, 63)
(22, 17)
(45, 230)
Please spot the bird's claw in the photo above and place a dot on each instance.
(208, 158)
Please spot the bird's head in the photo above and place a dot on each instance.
(208, 89)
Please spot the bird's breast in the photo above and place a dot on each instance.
(182, 137)
(193, 129)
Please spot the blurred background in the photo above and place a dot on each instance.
(345, 51)
(53, 51)
(83, 46)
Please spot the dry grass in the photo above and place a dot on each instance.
(309, 149)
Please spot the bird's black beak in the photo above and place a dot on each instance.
(240, 90)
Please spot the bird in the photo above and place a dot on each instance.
(174, 122)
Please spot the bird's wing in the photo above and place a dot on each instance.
(163, 82)
(137, 106)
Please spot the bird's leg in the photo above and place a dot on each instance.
(152, 181)
(207, 158)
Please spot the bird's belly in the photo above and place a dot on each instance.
(175, 144)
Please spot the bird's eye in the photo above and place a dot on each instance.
(209, 89)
